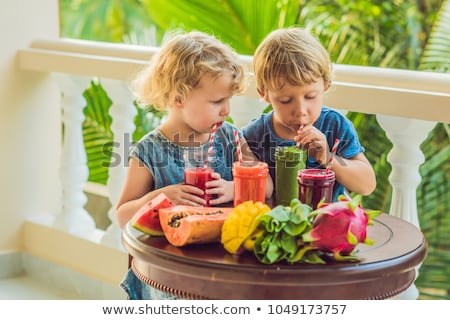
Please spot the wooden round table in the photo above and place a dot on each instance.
(207, 271)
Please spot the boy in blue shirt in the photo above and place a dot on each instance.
(293, 71)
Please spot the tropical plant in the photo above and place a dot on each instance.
(97, 134)
(397, 34)
(103, 20)
(242, 24)
(124, 20)
(433, 193)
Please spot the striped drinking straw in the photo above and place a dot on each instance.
(333, 153)
(211, 143)
(238, 145)
(298, 143)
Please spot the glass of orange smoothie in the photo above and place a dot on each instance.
(249, 181)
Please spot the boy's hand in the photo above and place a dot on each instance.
(314, 141)
(222, 188)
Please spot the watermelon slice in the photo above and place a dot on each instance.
(146, 219)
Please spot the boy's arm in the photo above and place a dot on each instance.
(355, 174)
(269, 186)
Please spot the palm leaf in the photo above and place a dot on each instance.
(146, 120)
(97, 134)
(242, 24)
(436, 55)
(104, 20)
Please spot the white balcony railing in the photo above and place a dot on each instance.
(407, 104)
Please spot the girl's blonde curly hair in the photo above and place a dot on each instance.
(177, 68)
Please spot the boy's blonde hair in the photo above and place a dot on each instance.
(177, 68)
(290, 55)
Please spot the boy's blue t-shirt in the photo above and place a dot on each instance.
(164, 159)
(263, 140)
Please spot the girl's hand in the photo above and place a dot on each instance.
(183, 194)
(314, 141)
(222, 188)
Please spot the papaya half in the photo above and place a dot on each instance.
(146, 219)
(183, 225)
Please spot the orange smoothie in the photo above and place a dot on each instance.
(249, 181)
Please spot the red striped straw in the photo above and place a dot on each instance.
(238, 145)
(211, 138)
(211, 143)
(298, 143)
(333, 153)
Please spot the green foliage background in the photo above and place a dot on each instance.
(402, 34)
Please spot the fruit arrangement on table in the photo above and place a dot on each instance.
(294, 233)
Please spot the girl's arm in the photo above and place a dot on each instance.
(355, 174)
(138, 190)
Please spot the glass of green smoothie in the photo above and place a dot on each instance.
(288, 161)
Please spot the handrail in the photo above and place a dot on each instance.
(429, 99)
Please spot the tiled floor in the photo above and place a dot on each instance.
(26, 288)
(43, 280)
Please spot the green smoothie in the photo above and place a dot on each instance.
(288, 161)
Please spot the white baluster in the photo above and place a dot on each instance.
(122, 112)
(405, 157)
(74, 172)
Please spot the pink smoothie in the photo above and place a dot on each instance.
(198, 177)
(315, 185)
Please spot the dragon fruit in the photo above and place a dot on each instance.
(338, 227)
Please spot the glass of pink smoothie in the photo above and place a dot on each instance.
(315, 185)
(198, 170)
